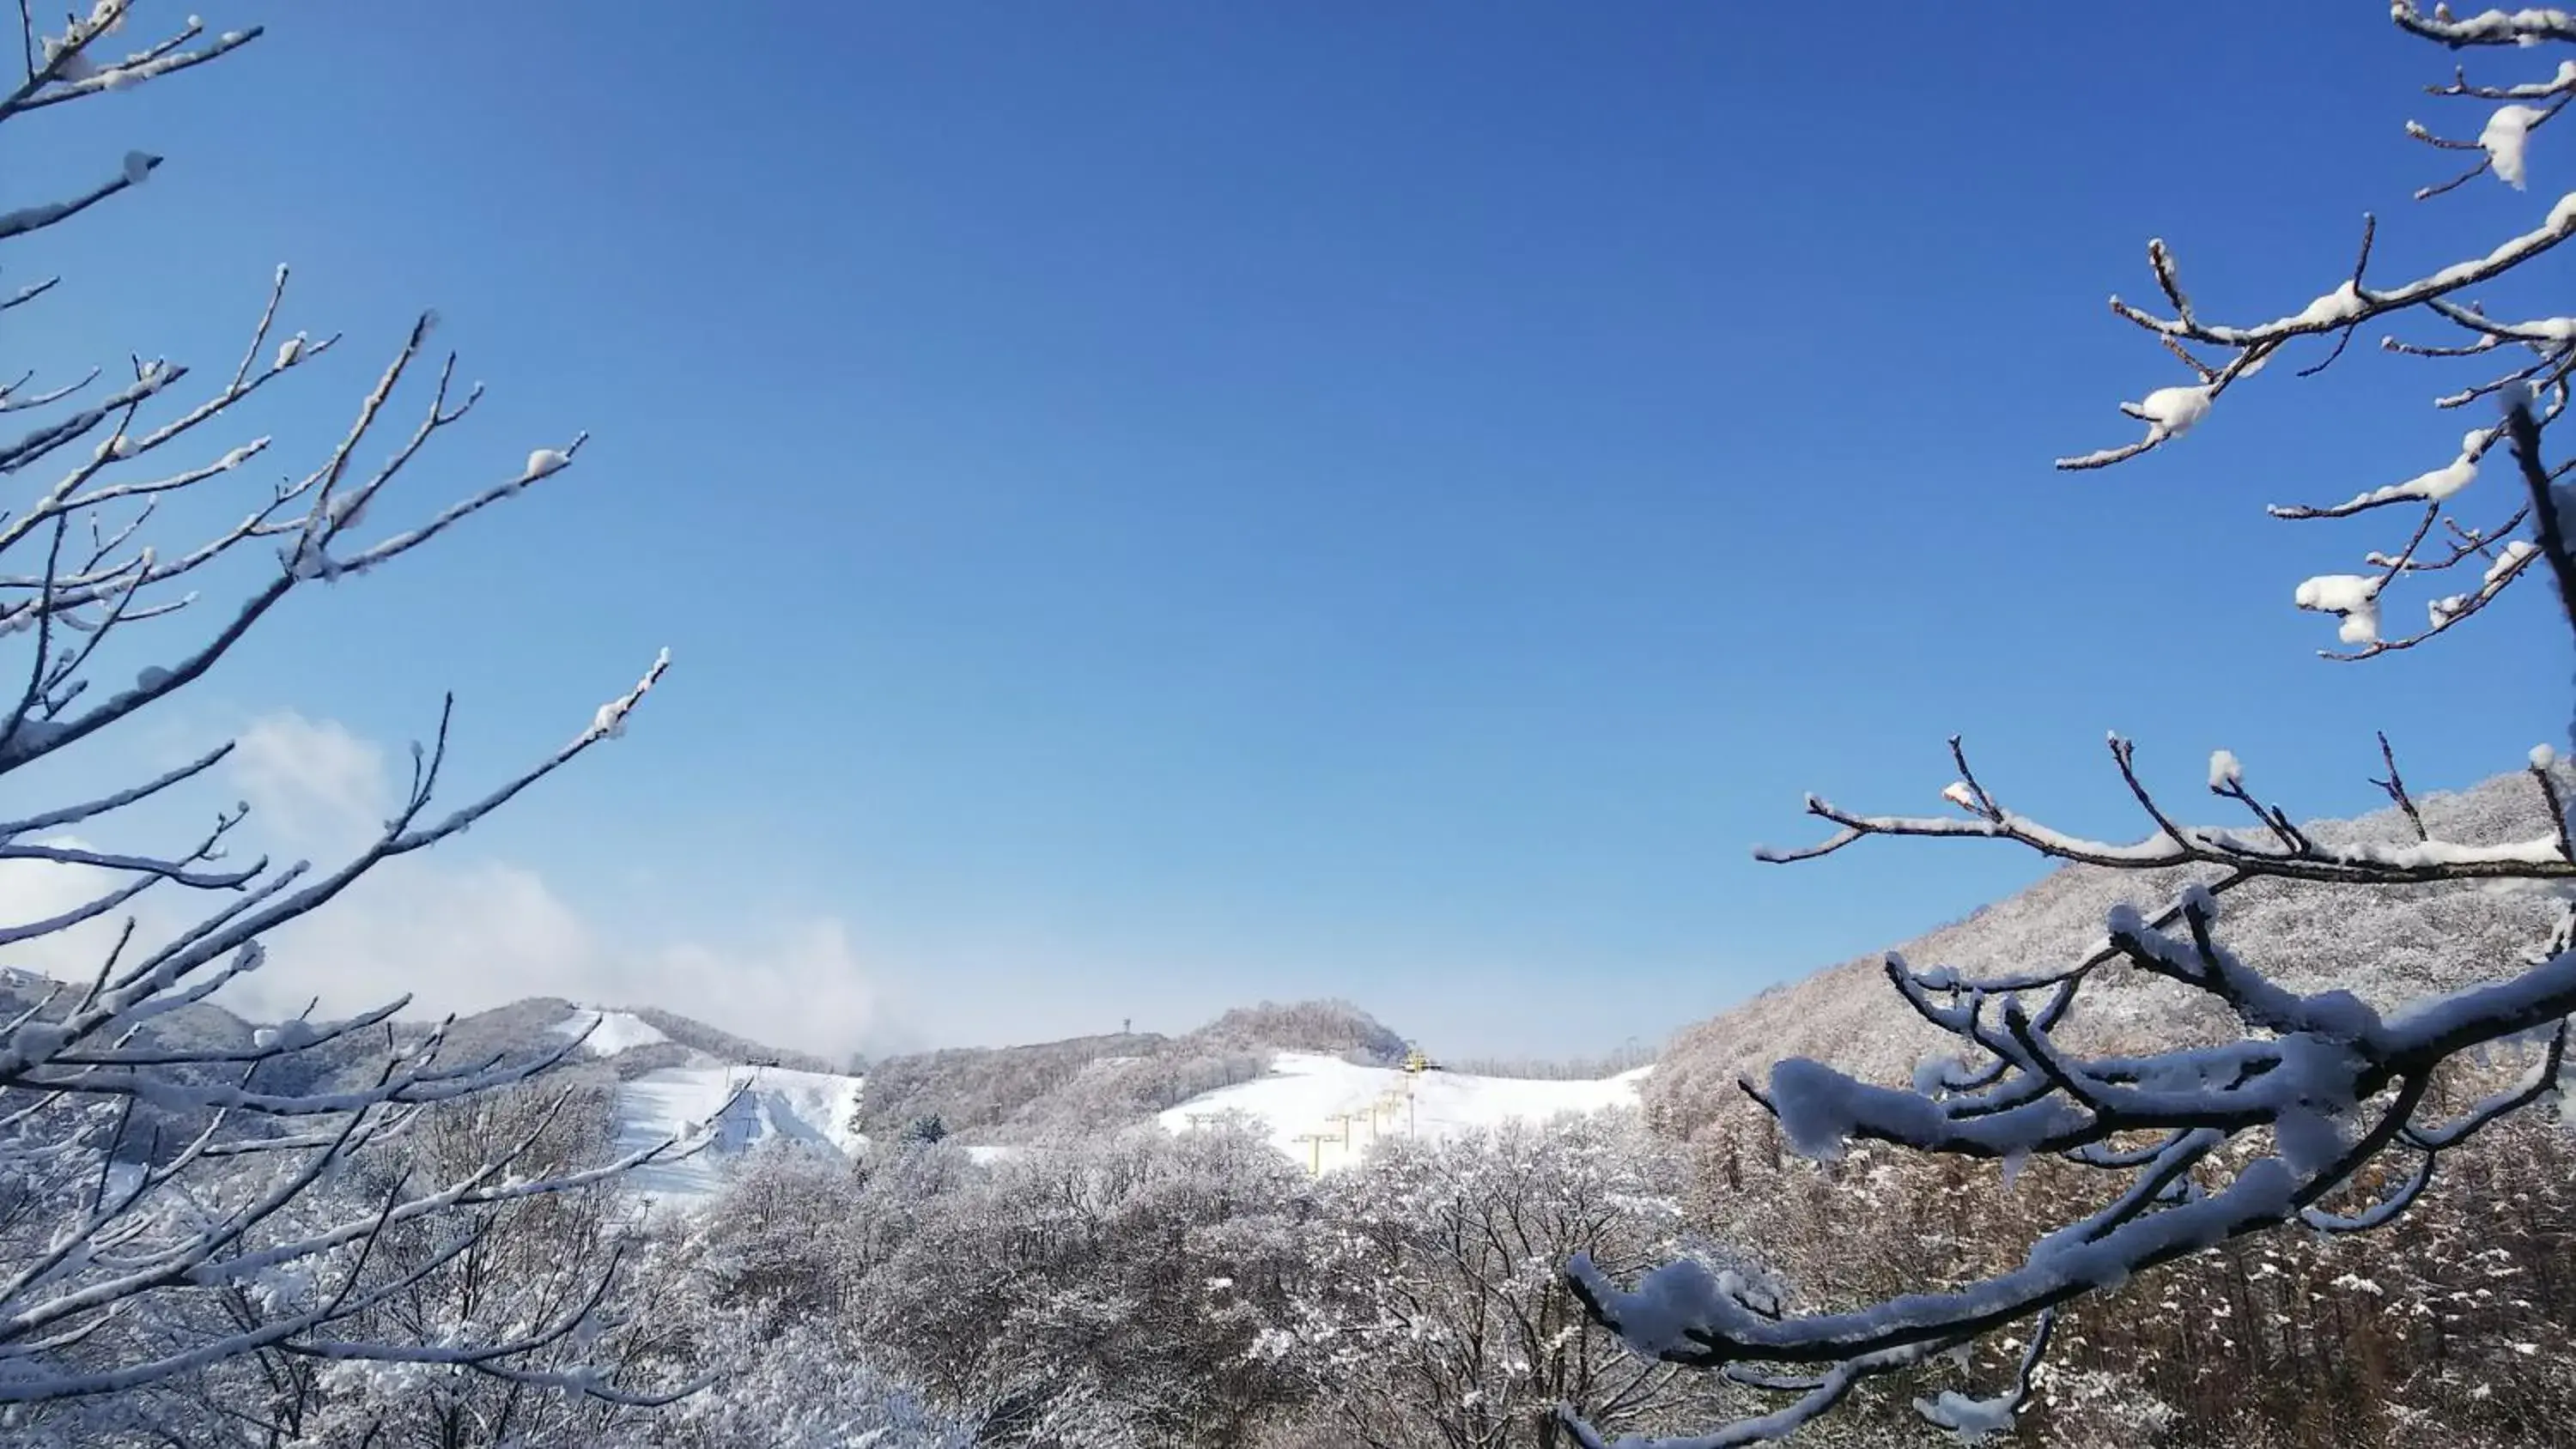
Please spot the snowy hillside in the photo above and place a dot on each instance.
(814, 1109)
(608, 1032)
(742, 1105)
(1324, 1111)
(2387, 946)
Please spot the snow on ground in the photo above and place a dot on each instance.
(617, 1031)
(743, 1106)
(1319, 1110)
(818, 1109)
(1310, 1095)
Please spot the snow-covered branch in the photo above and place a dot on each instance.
(2534, 358)
(2324, 1079)
(179, 1202)
(2284, 852)
(2491, 27)
(2326, 1082)
(2321, 1110)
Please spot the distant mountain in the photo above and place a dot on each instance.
(667, 1074)
(968, 1088)
(633, 1038)
(2385, 945)
(1012, 1094)
(671, 1075)
(698, 1036)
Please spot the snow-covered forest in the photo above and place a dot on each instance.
(2229, 1135)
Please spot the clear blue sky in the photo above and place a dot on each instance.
(1156, 506)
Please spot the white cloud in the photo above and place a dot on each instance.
(455, 931)
(34, 891)
(316, 786)
(802, 976)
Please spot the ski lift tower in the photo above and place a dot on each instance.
(1415, 1064)
(1315, 1141)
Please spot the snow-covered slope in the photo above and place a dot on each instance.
(746, 1105)
(740, 1105)
(613, 1031)
(2387, 946)
(1324, 1111)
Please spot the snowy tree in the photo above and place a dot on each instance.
(556, 1274)
(756, 1296)
(2320, 1109)
(1440, 1315)
(803, 1385)
(1094, 1291)
(177, 1202)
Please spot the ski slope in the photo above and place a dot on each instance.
(739, 1106)
(1316, 1109)
(615, 1032)
(1310, 1096)
(749, 1106)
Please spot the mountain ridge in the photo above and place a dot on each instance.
(667, 1071)
(2388, 945)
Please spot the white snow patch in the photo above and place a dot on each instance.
(2507, 134)
(817, 1109)
(2508, 559)
(2340, 305)
(2225, 770)
(77, 66)
(2170, 412)
(2434, 484)
(617, 1031)
(1968, 1418)
(1351, 1106)
(2353, 596)
(122, 1180)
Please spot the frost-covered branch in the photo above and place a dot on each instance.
(2288, 854)
(2491, 27)
(2532, 359)
(2319, 1111)
(2325, 1080)
(1816, 1398)
(2322, 1086)
(182, 1202)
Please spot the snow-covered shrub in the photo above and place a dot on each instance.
(979, 1087)
(1439, 1314)
(803, 1384)
(1128, 1275)
(1050, 1089)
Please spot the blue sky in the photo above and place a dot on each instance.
(1159, 506)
